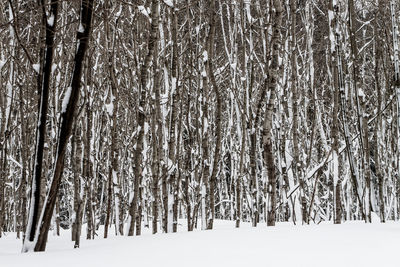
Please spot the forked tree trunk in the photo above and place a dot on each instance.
(67, 117)
(141, 114)
(343, 110)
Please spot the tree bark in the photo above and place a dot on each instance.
(273, 72)
(141, 113)
(67, 118)
(43, 86)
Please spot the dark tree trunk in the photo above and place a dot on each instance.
(67, 118)
(43, 88)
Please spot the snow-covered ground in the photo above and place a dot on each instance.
(350, 244)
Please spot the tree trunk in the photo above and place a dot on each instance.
(218, 112)
(273, 72)
(141, 113)
(67, 117)
(43, 87)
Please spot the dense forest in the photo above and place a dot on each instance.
(120, 114)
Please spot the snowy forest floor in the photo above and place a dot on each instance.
(350, 244)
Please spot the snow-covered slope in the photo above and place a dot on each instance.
(350, 244)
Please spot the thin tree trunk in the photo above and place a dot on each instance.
(43, 86)
(218, 112)
(273, 72)
(335, 121)
(378, 122)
